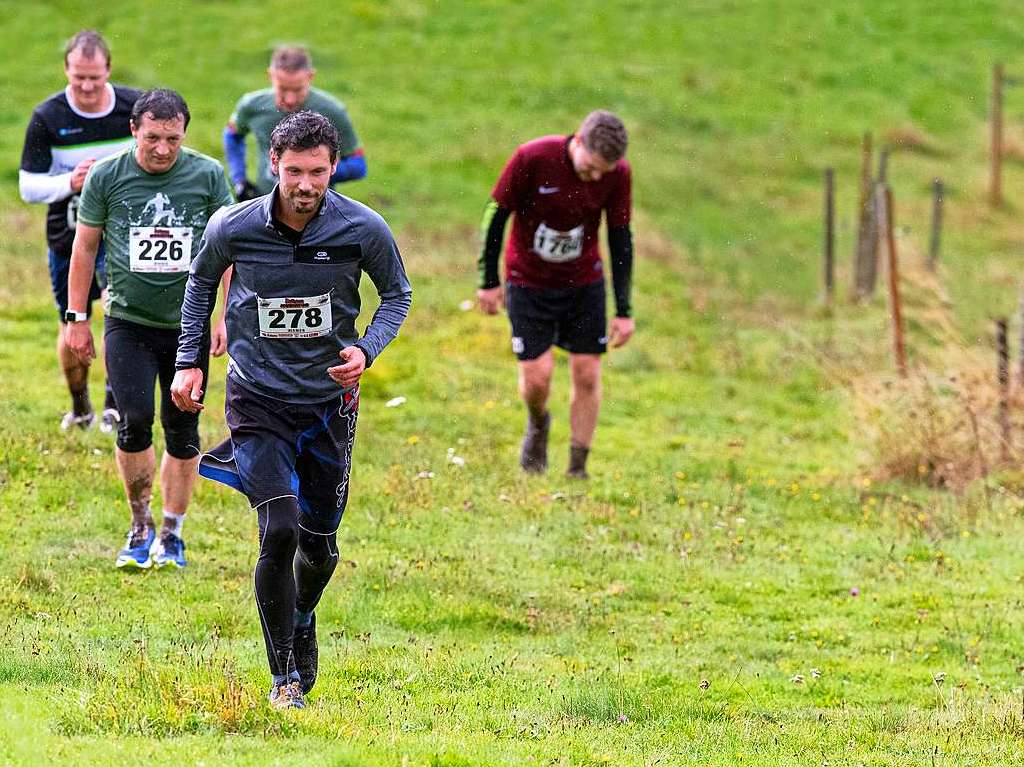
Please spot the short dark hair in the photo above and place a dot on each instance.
(304, 130)
(603, 133)
(89, 41)
(291, 58)
(160, 104)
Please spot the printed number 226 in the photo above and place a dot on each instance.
(161, 250)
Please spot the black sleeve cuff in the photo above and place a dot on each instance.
(494, 233)
(366, 353)
(620, 246)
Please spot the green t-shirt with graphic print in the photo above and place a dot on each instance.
(152, 224)
(257, 113)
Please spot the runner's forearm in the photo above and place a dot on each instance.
(83, 266)
(234, 153)
(42, 187)
(196, 308)
(493, 230)
(351, 167)
(620, 246)
(384, 326)
(205, 275)
(383, 264)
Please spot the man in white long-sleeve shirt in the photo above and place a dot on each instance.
(67, 133)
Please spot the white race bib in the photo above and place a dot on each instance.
(558, 247)
(295, 317)
(160, 248)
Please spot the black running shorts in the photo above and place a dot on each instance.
(574, 319)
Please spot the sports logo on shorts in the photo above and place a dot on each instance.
(518, 347)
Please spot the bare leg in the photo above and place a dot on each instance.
(535, 383)
(76, 374)
(137, 470)
(177, 478)
(534, 388)
(584, 405)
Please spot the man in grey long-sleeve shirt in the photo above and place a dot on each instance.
(297, 255)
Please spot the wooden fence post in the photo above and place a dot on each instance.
(883, 165)
(884, 206)
(865, 254)
(1003, 378)
(933, 245)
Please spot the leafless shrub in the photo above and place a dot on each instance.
(910, 138)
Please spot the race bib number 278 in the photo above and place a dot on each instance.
(160, 248)
(295, 317)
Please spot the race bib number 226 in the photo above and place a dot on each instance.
(160, 248)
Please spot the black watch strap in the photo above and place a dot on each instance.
(72, 316)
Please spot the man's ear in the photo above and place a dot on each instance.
(273, 162)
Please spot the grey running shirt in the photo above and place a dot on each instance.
(292, 308)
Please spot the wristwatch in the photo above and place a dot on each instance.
(73, 316)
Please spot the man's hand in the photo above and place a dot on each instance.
(348, 373)
(491, 299)
(219, 338)
(186, 389)
(621, 332)
(78, 175)
(245, 190)
(78, 338)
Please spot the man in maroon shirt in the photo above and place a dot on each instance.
(558, 186)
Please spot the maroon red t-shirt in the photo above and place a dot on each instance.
(553, 243)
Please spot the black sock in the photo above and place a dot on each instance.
(315, 559)
(80, 403)
(539, 422)
(275, 584)
(578, 459)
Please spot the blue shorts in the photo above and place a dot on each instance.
(278, 449)
(60, 266)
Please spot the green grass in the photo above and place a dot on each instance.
(692, 603)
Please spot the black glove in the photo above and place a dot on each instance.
(245, 190)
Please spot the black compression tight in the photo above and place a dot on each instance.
(293, 568)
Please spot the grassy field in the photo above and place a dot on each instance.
(736, 585)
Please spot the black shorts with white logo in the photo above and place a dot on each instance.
(574, 319)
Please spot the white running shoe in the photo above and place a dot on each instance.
(83, 422)
(109, 420)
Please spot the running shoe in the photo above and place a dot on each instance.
(533, 458)
(109, 420)
(169, 550)
(83, 421)
(306, 654)
(136, 550)
(287, 695)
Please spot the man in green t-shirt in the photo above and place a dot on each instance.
(291, 76)
(149, 203)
